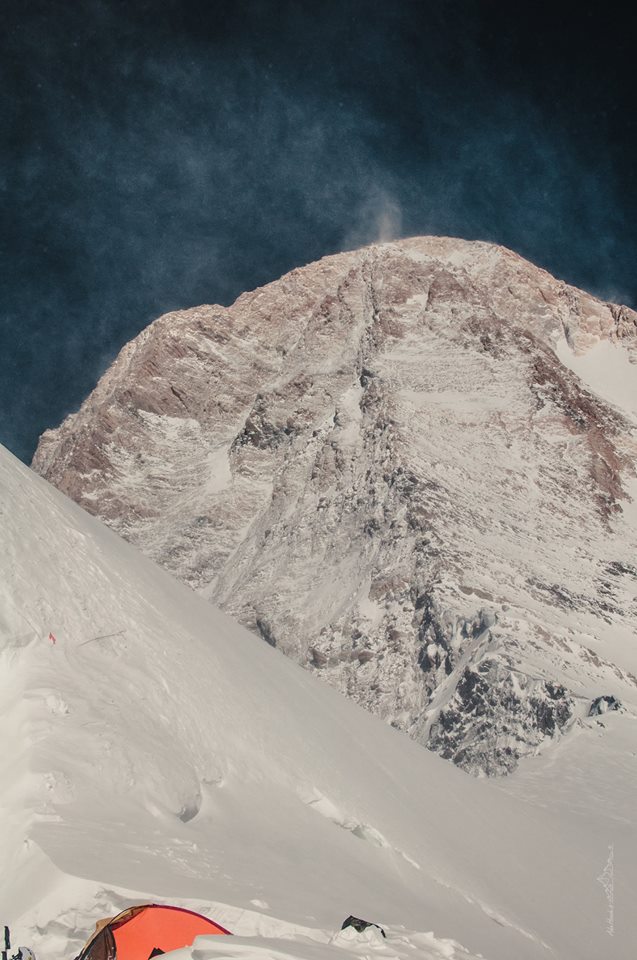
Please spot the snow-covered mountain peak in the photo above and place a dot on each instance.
(410, 467)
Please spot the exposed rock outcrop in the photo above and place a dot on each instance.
(603, 704)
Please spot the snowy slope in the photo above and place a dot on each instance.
(158, 750)
(410, 467)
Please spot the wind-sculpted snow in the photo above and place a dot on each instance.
(152, 749)
(410, 468)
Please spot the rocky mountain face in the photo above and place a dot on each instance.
(410, 467)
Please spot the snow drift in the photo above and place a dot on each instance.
(157, 750)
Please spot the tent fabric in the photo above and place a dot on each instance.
(148, 930)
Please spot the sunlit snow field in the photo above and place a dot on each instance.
(157, 751)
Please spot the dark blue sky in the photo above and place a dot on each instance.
(161, 155)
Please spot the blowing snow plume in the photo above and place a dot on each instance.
(155, 162)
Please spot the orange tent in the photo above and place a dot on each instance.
(140, 933)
